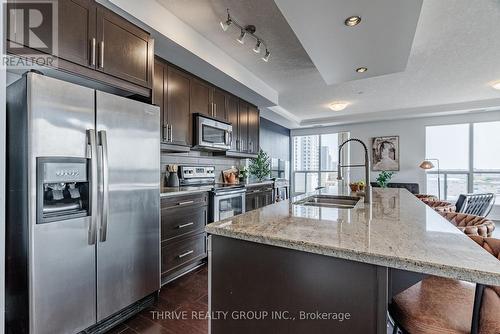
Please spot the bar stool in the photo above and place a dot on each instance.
(425, 197)
(470, 224)
(440, 206)
(443, 305)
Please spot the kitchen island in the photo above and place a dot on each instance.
(308, 269)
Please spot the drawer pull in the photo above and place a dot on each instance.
(185, 225)
(185, 203)
(185, 254)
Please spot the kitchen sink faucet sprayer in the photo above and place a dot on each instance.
(368, 188)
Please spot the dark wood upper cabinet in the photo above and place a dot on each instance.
(77, 32)
(159, 99)
(253, 129)
(98, 45)
(232, 117)
(124, 50)
(220, 101)
(243, 126)
(178, 106)
(201, 99)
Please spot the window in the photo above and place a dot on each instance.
(467, 160)
(314, 161)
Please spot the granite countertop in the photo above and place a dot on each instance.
(396, 230)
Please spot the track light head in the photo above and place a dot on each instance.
(266, 56)
(241, 39)
(225, 25)
(256, 49)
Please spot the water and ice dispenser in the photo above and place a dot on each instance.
(62, 188)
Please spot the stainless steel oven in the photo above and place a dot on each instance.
(227, 203)
(211, 134)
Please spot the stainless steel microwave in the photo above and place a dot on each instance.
(211, 134)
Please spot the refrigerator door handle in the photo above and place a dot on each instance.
(103, 142)
(92, 155)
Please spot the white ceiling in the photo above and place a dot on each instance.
(454, 57)
(381, 42)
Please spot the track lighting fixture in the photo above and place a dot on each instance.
(241, 39)
(256, 49)
(248, 30)
(266, 56)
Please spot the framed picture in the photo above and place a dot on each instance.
(385, 153)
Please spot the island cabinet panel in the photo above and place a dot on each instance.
(77, 32)
(125, 51)
(296, 286)
(183, 237)
(99, 45)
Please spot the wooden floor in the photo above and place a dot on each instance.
(188, 293)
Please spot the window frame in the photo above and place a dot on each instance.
(470, 171)
(342, 136)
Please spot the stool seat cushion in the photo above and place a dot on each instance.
(435, 305)
(470, 224)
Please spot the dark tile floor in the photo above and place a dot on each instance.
(188, 293)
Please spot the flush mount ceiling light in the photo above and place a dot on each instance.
(352, 21)
(496, 85)
(248, 30)
(338, 105)
(361, 69)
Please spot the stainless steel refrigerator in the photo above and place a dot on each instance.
(83, 225)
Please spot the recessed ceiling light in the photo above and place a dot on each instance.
(338, 105)
(496, 85)
(352, 21)
(361, 69)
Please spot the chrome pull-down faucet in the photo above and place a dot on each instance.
(368, 188)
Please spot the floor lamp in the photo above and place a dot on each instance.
(427, 164)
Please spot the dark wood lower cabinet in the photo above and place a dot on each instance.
(259, 196)
(183, 237)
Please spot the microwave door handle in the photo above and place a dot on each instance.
(103, 141)
(92, 155)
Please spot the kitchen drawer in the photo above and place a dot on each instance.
(181, 253)
(182, 201)
(182, 221)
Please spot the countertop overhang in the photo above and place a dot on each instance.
(396, 230)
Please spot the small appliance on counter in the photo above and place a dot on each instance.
(226, 200)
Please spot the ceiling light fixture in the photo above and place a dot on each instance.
(361, 69)
(496, 85)
(352, 21)
(248, 30)
(256, 49)
(241, 39)
(338, 105)
(266, 56)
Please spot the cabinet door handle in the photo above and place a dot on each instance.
(101, 65)
(171, 133)
(163, 128)
(92, 55)
(185, 225)
(185, 203)
(180, 256)
(215, 109)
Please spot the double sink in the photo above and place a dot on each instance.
(330, 201)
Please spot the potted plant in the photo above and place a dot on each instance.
(260, 167)
(384, 178)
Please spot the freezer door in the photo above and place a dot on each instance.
(128, 249)
(61, 261)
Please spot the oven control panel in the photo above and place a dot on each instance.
(192, 172)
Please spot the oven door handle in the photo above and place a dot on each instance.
(227, 194)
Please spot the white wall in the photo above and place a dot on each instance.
(411, 134)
